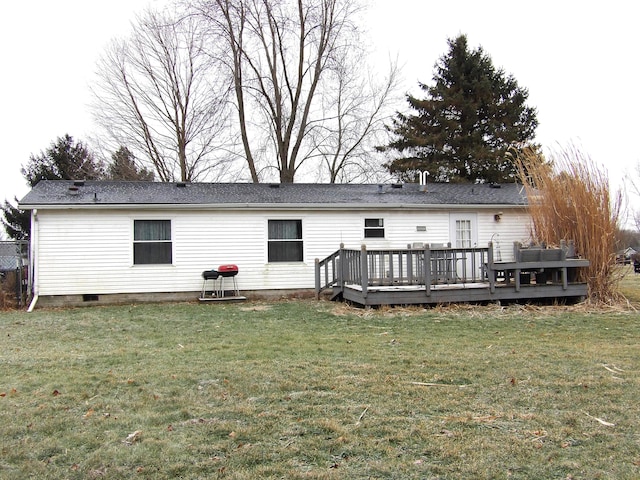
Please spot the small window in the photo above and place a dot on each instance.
(373, 228)
(152, 242)
(285, 241)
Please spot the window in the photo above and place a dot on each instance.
(463, 233)
(285, 241)
(373, 228)
(152, 242)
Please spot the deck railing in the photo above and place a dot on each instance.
(402, 267)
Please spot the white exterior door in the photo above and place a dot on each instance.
(463, 232)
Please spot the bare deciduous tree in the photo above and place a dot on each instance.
(283, 58)
(157, 94)
(355, 111)
(633, 180)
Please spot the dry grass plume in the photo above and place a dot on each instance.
(570, 199)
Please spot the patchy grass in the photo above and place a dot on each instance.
(630, 285)
(308, 389)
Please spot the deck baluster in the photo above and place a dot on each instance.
(385, 276)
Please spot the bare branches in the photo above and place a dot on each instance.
(281, 57)
(158, 95)
(633, 180)
(291, 69)
(355, 113)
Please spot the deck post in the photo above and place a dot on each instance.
(517, 247)
(364, 270)
(317, 275)
(342, 264)
(427, 270)
(490, 272)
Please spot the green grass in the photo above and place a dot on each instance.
(304, 389)
(630, 285)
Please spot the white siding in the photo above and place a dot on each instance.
(91, 252)
(514, 226)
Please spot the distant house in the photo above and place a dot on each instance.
(626, 256)
(98, 241)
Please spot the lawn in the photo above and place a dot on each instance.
(306, 389)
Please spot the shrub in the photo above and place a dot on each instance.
(8, 291)
(569, 198)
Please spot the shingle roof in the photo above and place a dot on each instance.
(67, 193)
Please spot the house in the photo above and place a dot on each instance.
(115, 241)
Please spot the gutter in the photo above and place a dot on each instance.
(34, 244)
(32, 305)
(274, 206)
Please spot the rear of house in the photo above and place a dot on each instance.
(134, 241)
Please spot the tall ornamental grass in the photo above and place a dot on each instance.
(570, 199)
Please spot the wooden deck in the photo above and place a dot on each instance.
(399, 277)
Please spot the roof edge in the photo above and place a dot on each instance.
(269, 206)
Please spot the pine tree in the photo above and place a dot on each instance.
(17, 223)
(123, 167)
(467, 123)
(65, 159)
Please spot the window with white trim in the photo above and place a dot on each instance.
(463, 234)
(285, 241)
(373, 228)
(152, 242)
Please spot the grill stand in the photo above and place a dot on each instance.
(218, 277)
(234, 283)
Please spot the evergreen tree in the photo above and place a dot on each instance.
(464, 127)
(17, 223)
(123, 167)
(65, 159)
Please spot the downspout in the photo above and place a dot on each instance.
(33, 246)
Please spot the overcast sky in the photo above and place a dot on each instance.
(579, 61)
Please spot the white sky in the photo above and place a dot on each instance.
(578, 59)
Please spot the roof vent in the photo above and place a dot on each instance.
(181, 184)
(396, 185)
(495, 185)
(73, 190)
(380, 188)
(78, 183)
(274, 185)
(423, 180)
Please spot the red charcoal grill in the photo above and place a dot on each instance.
(228, 271)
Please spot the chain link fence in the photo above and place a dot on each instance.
(14, 273)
